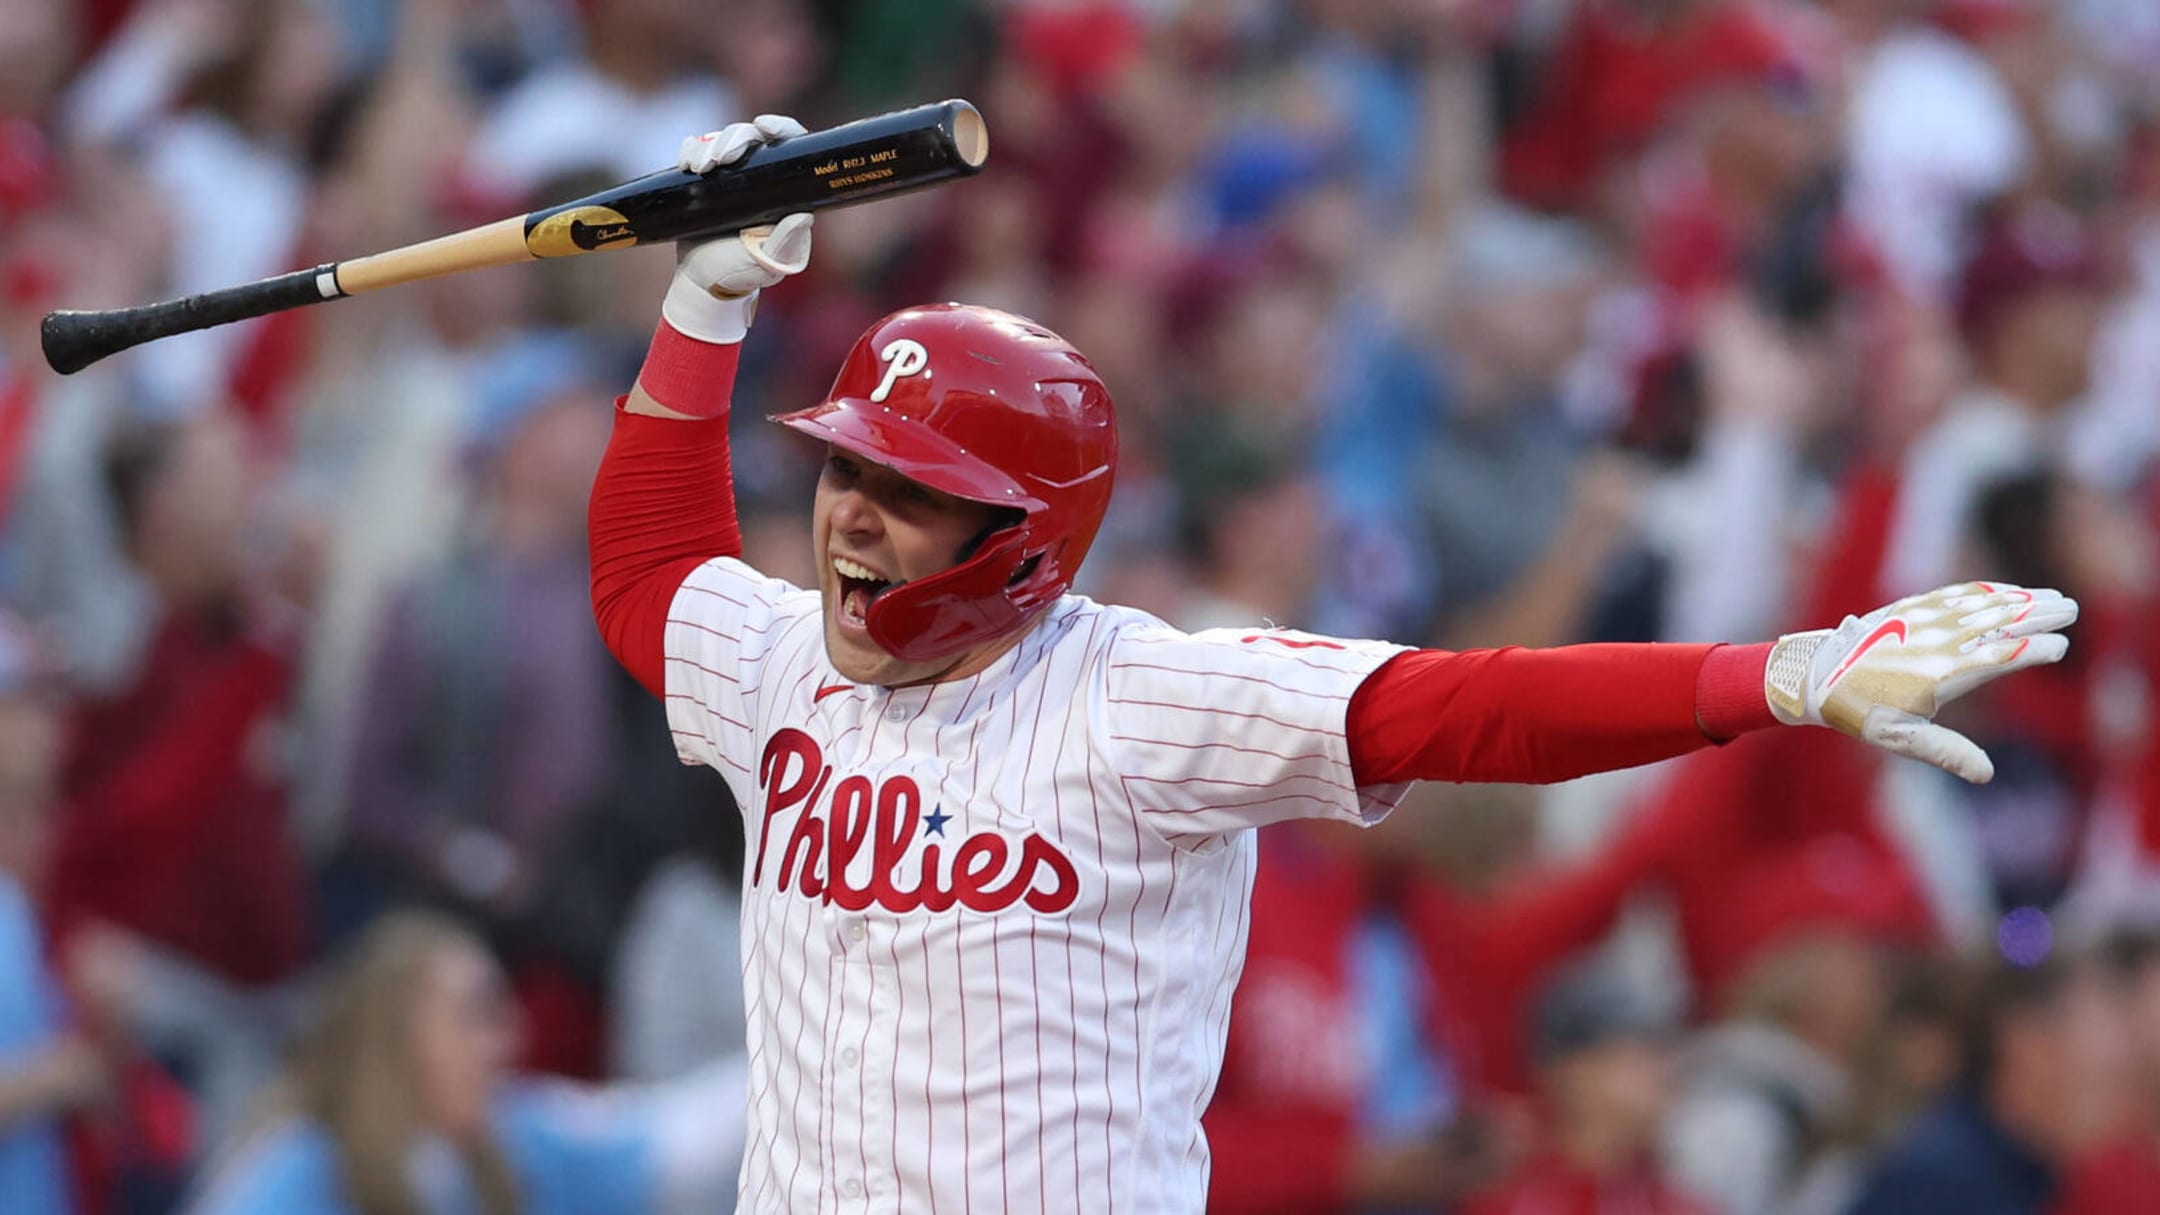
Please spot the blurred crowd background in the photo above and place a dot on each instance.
(337, 858)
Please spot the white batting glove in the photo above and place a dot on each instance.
(1881, 677)
(714, 295)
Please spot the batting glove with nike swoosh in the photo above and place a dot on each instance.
(714, 295)
(1881, 677)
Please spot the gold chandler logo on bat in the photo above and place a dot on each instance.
(579, 230)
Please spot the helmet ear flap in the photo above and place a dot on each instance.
(1005, 517)
(929, 618)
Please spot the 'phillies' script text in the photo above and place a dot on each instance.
(889, 818)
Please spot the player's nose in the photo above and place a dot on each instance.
(855, 515)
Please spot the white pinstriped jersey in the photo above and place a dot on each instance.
(991, 927)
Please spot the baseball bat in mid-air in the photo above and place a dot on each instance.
(870, 158)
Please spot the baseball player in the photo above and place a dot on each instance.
(999, 836)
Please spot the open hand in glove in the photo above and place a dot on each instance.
(1882, 677)
(714, 295)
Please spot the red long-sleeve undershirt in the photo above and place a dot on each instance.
(1533, 716)
(664, 503)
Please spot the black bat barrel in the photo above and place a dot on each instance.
(858, 161)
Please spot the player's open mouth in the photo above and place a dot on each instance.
(859, 587)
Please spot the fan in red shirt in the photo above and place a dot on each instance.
(175, 825)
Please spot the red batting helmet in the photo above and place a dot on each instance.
(992, 408)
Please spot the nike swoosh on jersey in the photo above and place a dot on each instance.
(1888, 628)
(828, 690)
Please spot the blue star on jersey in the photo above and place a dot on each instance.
(934, 822)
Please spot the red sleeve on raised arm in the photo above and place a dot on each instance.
(1536, 716)
(662, 505)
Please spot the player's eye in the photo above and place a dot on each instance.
(841, 469)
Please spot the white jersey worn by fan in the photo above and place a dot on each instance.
(991, 927)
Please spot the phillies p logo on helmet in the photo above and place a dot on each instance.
(902, 357)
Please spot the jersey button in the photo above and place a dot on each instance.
(896, 713)
(856, 931)
(854, 1189)
(850, 1057)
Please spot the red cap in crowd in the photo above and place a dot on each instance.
(2037, 250)
(1836, 883)
(1776, 837)
(1076, 47)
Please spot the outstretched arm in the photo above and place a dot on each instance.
(1546, 715)
(1537, 716)
(664, 501)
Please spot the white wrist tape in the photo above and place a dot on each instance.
(698, 313)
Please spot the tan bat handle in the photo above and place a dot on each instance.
(498, 244)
